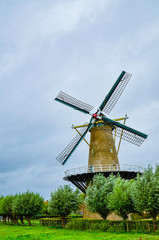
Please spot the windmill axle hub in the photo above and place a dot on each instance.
(95, 115)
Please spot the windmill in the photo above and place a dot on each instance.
(103, 156)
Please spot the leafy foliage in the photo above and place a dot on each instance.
(64, 201)
(6, 209)
(7, 205)
(146, 192)
(111, 226)
(45, 210)
(98, 194)
(2, 213)
(120, 199)
(27, 204)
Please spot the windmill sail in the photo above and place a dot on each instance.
(115, 92)
(66, 153)
(128, 134)
(73, 102)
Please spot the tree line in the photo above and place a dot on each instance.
(27, 205)
(125, 196)
(20, 206)
(103, 195)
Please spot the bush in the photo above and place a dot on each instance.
(137, 216)
(56, 221)
(53, 222)
(112, 226)
(75, 216)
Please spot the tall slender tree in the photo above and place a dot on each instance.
(2, 211)
(97, 194)
(120, 199)
(64, 201)
(7, 210)
(146, 192)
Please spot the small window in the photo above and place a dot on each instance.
(91, 169)
(111, 149)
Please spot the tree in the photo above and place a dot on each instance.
(121, 199)
(98, 193)
(157, 174)
(45, 208)
(63, 202)
(6, 209)
(146, 192)
(27, 204)
(2, 213)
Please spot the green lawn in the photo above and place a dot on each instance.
(45, 233)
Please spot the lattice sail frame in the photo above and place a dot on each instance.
(129, 136)
(115, 92)
(126, 135)
(73, 102)
(65, 154)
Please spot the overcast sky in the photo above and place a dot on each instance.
(79, 47)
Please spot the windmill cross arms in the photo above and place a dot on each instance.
(66, 153)
(115, 92)
(128, 134)
(73, 102)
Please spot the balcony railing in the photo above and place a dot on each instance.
(103, 168)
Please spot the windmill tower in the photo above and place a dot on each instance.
(103, 157)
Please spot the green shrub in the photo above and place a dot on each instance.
(137, 216)
(54, 222)
(112, 226)
(75, 216)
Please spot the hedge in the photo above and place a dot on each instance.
(56, 221)
(113, 226)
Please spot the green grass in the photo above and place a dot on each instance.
(45, 233)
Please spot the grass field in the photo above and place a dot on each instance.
(45, 233)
